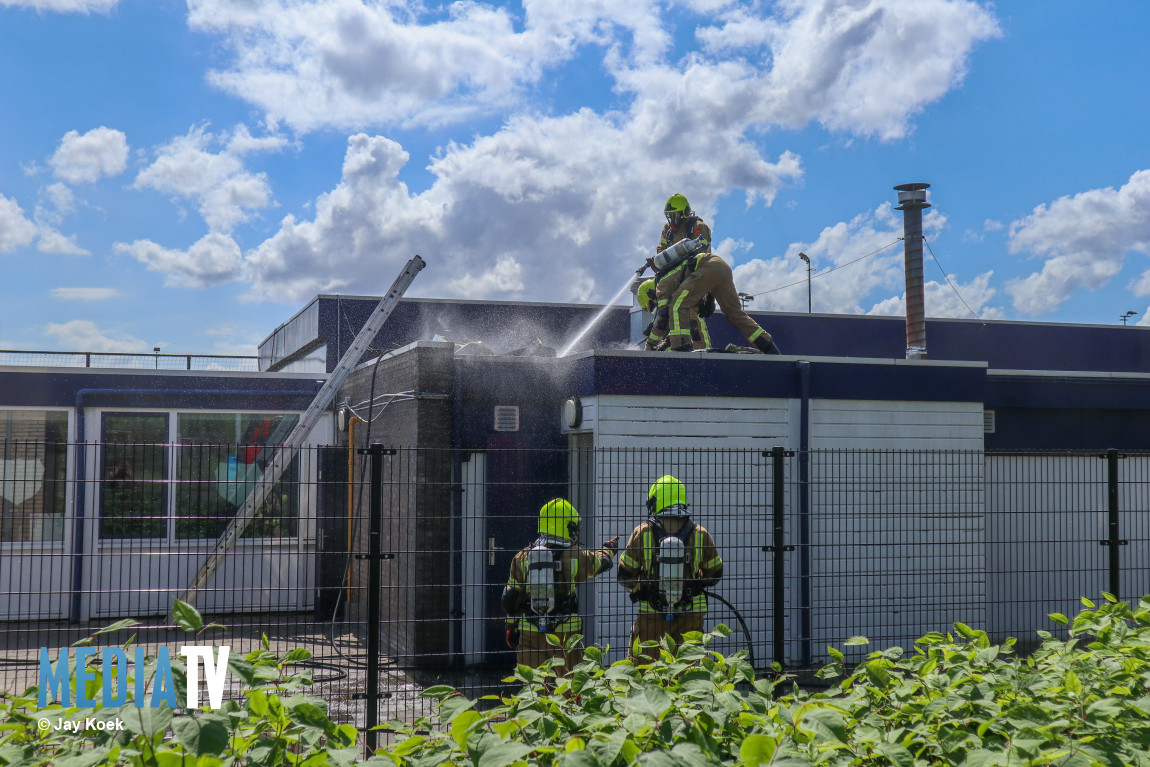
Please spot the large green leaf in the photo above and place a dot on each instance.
(205, 734)
(187, 617)
(502, 754)
(650, 700)
(758, 749)
(823, 722)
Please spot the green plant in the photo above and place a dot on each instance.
(275, 722)
(956, 699)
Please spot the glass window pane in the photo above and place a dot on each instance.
(33, 471)
(134, 475)
(220, 460)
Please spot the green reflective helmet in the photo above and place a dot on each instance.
(559, 519)
(646, 295)
(677, 207)
(667, 496)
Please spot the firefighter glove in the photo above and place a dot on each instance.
(513, 637)
(649, 593)
(611, 545)
(707, 307)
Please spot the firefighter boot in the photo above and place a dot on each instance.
(764, 344)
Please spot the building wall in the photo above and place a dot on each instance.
(866, 514)
(417, 511)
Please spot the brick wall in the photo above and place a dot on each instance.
(417, 510)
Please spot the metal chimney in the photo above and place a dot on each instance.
(911, 201)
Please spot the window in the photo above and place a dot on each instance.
(33, 475)
(133, 475)
(219, 461)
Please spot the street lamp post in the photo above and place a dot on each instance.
(1127, 316)
(807, 258)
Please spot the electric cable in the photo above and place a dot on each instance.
(946, 277)
(828, 271)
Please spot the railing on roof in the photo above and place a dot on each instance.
(133, 360)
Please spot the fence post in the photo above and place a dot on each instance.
(778, 547)
(1113, 541)
(375, 555)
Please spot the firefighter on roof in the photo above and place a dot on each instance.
(700, 338)
(690, 279)
(540, 596)
(667, 563)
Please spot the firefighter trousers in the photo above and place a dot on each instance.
(533, 650)
(652, 627)
(711, 275)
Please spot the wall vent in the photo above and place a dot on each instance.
(506, 418)
(988, 422)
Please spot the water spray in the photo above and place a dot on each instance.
(602, 312)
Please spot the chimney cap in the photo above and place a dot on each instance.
(912, 196)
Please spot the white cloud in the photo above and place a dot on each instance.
(86, 336)
(522, 196)
(215, 258)
(847, 248)
(503, 279)
(225, 192)
(85, 294)
(559, 197)
(940, 300)
(15, 228)
(54, 243)
(353, 64)
(863, 67)
(1084, 239)
(63, 6)
(89, 157)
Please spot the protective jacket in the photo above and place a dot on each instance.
(668, 282)
(576, 565)
(639, 568)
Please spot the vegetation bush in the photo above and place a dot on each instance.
(955, 699)
(275, 722)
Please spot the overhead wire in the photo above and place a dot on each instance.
(946, 277)
(828, 271)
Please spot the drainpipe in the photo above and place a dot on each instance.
(912, 201)
(79, 501)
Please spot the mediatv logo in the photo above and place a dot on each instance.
(55, 681)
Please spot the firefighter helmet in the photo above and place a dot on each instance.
(667, 496)
(559, 519)
(646, 295)
(676, 208)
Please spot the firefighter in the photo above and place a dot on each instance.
(700, 337)
(540, 596)
(688, 278)
(667, 563)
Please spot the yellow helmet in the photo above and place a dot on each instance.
(667, 496)
(676, 207)
(559, 519)
(646, 295)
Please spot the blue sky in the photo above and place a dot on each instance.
(188, 175)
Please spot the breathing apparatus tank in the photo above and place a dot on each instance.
(672, 563)
(542, 564)
(676, 254)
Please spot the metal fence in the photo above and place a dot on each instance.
(133, 360)
(387, 564)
